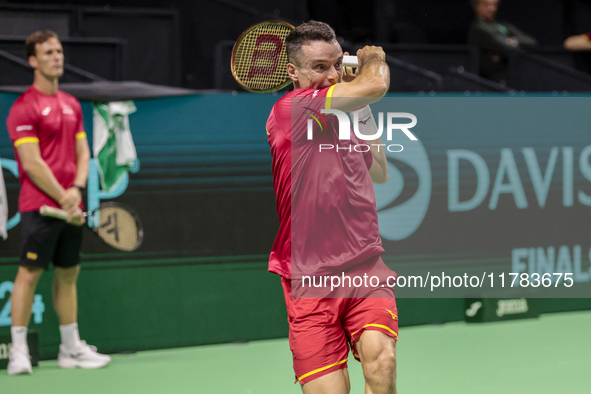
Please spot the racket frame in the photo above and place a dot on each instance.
(93, 222)
(348, 61)
(235, 48)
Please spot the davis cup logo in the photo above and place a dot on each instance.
(399, 218)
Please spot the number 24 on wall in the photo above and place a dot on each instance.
(38, 305)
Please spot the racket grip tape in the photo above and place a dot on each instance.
(53, 212)
(350, 61)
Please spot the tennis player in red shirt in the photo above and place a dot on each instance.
(328, 219)
(50, 146)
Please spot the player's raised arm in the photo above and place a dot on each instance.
(370, 85)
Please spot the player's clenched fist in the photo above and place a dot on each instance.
(368, 52)
(76, 217)
(71, 199)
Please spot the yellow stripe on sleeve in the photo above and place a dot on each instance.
(267, 131)
(25, 140)
(321, 369)
(81, 134)
(329, 97)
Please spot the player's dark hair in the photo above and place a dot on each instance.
(305, 33)
(39, 37)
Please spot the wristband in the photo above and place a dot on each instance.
(364, 124)
(81, 188)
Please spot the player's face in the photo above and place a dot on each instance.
(486, 9)
(320, 65)
(49, 58)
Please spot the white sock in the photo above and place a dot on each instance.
(19, 336)
(70, 335)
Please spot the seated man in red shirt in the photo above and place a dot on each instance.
(328, 220)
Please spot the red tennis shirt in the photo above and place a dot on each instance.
(325, 198)
(55, 122)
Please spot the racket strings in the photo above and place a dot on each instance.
(260, 58)
(118, 228)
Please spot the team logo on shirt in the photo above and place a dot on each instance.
(67, 110)
(46, 111)
(394, 316)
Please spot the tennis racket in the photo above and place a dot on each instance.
(114, 223)
(259, 58)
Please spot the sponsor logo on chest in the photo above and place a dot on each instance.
(67, 110)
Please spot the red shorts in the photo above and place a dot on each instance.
(321, 330)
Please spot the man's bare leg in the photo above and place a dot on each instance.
(23, 293)
(377, 353)
(65, 296)
(336, 382)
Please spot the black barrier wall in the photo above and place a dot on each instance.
(176, 43)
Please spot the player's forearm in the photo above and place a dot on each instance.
(367, 88)
(379, 168)
(366, 128)
(42, 176)
(82, 164)
(375, 73)
(370, 85)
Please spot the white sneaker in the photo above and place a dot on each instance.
(19, 361)
(84, 356)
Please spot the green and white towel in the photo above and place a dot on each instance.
(113, 146)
